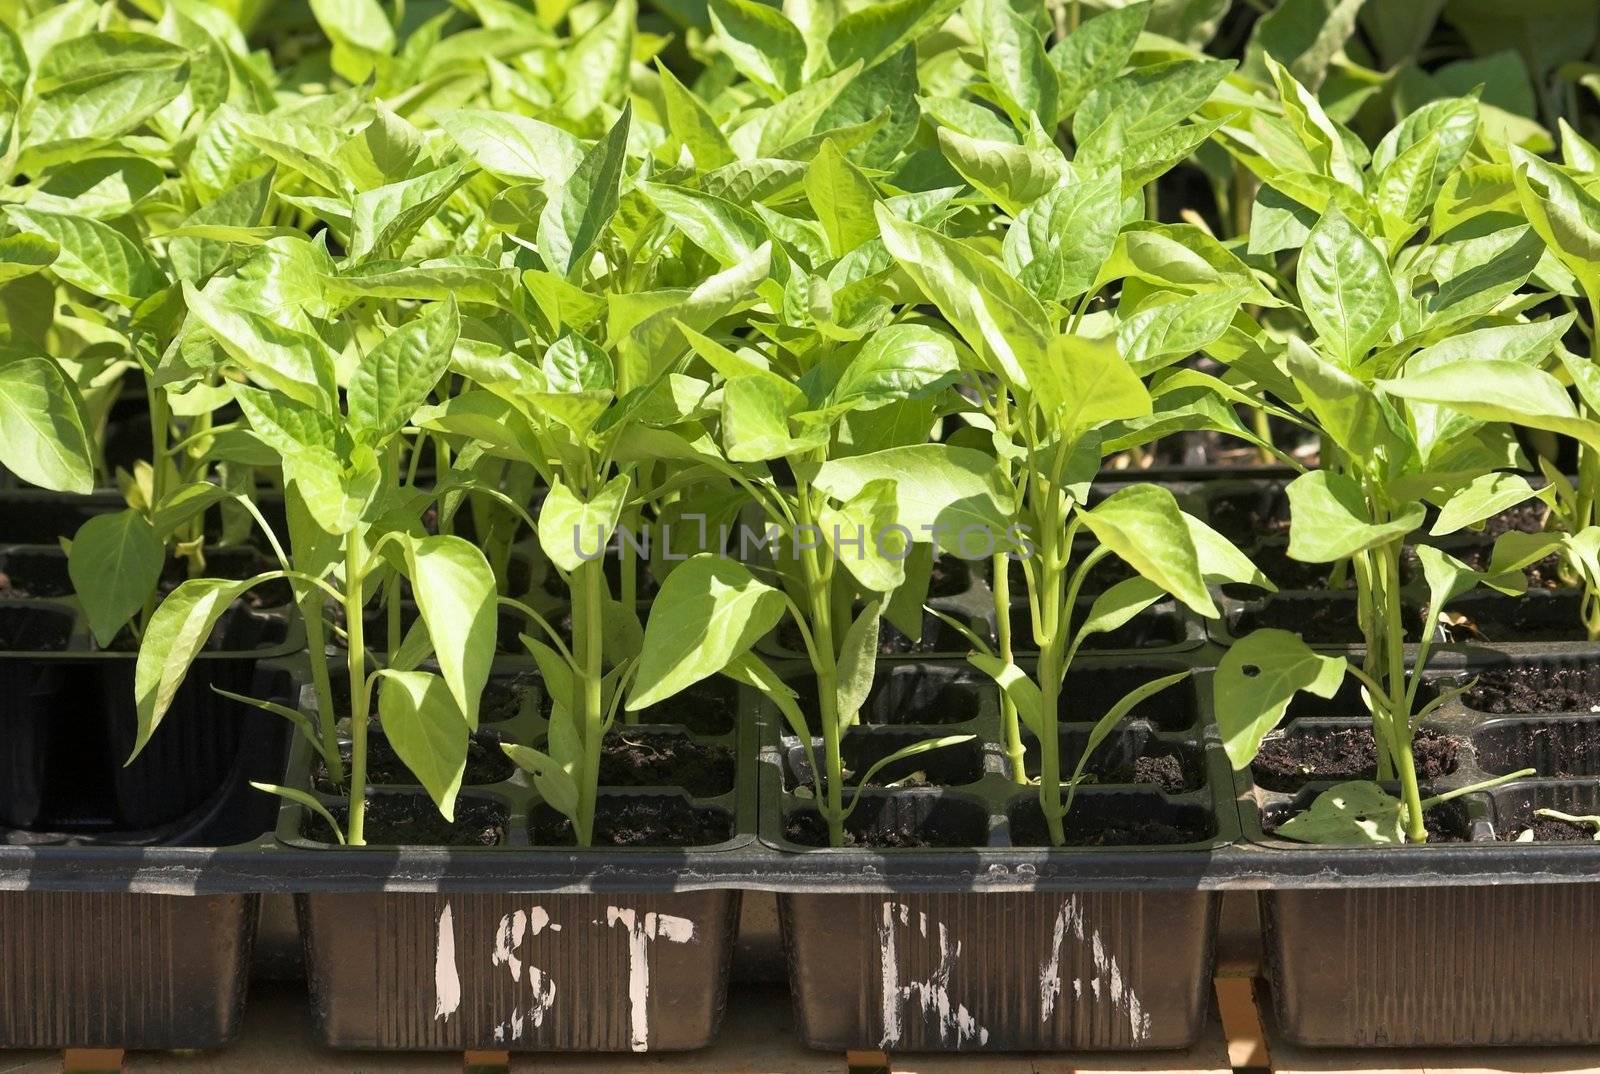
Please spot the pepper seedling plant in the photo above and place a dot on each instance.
(1382, 314)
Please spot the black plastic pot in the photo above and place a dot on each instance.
(68, 715)
(542, 970)
(1450, 966)
(120, 970)
(949, 969)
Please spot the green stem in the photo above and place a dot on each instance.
(1051, 673)
(322, 683)
(1001, 586)
(589, 640)
(360, 688)
(819, 588)
(1395, 681)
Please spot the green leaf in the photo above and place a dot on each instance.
(42, 437)
(1564, 213)
(1094, 54)
(456, 596)
(1118, 605)
(1482, 497)
(1255, 681)
(1148, 100)
(101, 85)
(842, 198)
(1084, 383)
(572, 223)
(858, 660)
(726, 231)
(573, 532)
(1059, 243)
(1021, 691)
(762, 44)
(175, 635)
(1144, 526)
(1108, 723)
(398, 374)
(289, 358)
(998, 318)
(755, 422)
(862, 536)
(905, 752)
(514, 146)
(558, 789)
(306, 799)
(709, 611)
(939, 490)
(689, 124)
(383, 220)
(23, 254)
(94, 256)
(1014, 176)
(1353, 812)
(893, 364)
(1346, 289)
(1498, 390)
(870, 33)
(1160, 334)
(360, 33)
(426, 730)
(115, 563)
(1330, 520)
(1016, 63)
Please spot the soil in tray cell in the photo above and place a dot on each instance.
(637, 821)
(1329, 621)
(1304, 755)
(1129, 758)
(34, 630)
(504, 698)
(486, 763)
(1088, 825)
(1527, 688)
(1548, 830)
(1248, 513)
(413, 820)
(634, 758)
(912, 821)
(706, 708)
(921, 694)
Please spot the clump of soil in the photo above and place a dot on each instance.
(33, 630)
(1516, 688)
(413, 820)
(1083, 829)
(1548, 830)
(1243, 515)
(1329, 621)
(637, 822)
(632, 758)
(503, 698)
(949, 577)
(708, 708)
(1526, 517)
(1288, 762)
(486, 762)
(1537, 617)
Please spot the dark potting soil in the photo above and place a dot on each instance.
(807, 828)
(1548, 830)
(1486, 617)
(413, 820)
(1286, 573)
(1163, 768)
(33, 630)
(1083, 829)
(504, 698)
(1513, 688)
(949, 576)
(637, 822)
(1329, 622)
(1288, 762)
(486, 763)
(1526, 517)
(707, 708)
(1239, 516)
(633, 758)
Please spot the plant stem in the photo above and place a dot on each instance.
(1001, 586)
(321, 682)
(589, 641)
(1395, 683)
(819, 588)
(1051, 671)
(360, 692)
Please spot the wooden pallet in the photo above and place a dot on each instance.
(758, 1038)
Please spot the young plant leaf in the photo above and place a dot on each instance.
(115, 563)
(1256, 680)
(42, 437)
(425, 727)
